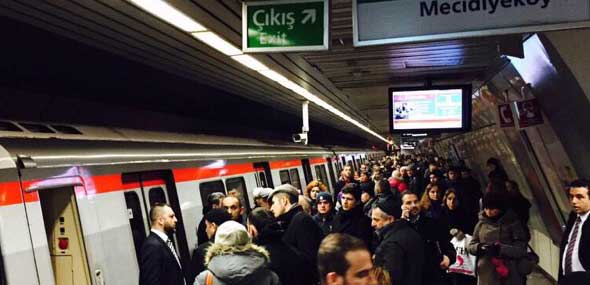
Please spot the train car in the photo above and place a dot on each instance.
(74, 205)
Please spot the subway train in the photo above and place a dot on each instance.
(74, 200)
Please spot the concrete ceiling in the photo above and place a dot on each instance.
(346, 77)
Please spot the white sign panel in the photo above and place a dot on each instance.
(397, 21)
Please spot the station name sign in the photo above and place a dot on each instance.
(285, 25)
(435, 8)
(398, 21)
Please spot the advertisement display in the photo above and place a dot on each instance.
(444, 109)
(505, 116)
(529, 113)
(378, 22)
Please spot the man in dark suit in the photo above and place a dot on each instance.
(575, 244)
(160, 264)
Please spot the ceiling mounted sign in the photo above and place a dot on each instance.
(397, 21)
(285, 25)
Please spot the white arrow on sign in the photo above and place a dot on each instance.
(310, 14)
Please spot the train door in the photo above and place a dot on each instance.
(64, 236)
(263, 174)
(146, 190)
(306, 170)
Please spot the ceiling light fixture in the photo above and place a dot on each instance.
(250, 62)
(168, 13)
(216, 42)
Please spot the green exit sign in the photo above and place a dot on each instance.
(289, 25)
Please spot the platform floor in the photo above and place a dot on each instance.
(538, 278)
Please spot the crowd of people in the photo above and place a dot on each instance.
(404, 220)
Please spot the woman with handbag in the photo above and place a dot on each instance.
(500, 243)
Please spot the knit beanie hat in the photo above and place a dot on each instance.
(324, 196)
(217, 216)
(232, 233)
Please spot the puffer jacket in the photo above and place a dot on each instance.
(238, 266)
(509, 232)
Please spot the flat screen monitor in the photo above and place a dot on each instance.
(436, 109)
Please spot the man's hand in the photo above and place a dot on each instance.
(445, 263)
(405, 212)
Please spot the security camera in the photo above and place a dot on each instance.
(300, 138)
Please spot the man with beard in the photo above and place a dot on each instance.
(159, 262)
(439, 253)
(400, 249)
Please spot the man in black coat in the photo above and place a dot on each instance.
(213, 219)
(575, 244)
(351, 219)
(325, 216)
(285, 261)
(159, 263)
(213, 201)
(439, 253)
(346, 177)
(400, 249)
(301, 231)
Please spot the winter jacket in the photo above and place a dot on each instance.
(509, 232)
(459, 219)
(285, 261)
(302, 233)
(368, 207)
(401, 253)
(325, 222)
(198, 259)
(354, 223)
(238, 266)
(437, 242)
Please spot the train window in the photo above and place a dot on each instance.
(37, 128)
(320, 172)
(262, 177)
(295, 178)
(135, 220)
(238, 185)
(9, 127)
(156, 195)
(66, 130)
(284, 176)
(207, 188)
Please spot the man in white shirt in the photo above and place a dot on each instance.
(159, 263)
(575, 245)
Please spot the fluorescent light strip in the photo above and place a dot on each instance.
(216, 42)
(170, 14)
(175, 17)
(250, 62)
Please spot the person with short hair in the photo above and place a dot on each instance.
(499, 241)
(159, 261)
(234, 259)
(351, 219)
(284, 258)
(325, 216)
(301, 231)
(400, 249)
(344, 260)
(574, 265)
(213, 219)
(233, 205)
(213, 201)
(439, 253)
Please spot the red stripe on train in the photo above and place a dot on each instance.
(10, 192)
